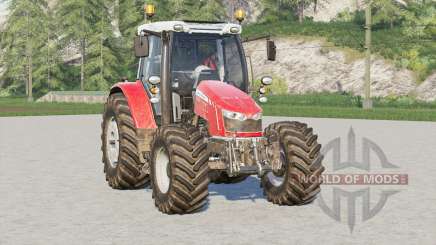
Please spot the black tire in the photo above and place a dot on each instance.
(302, 159)
(188, 169)
(126, 174)
(222, 178)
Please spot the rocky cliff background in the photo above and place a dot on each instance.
(307, 66)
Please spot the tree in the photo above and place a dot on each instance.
(102, 61)
(48, 74)
(387, 12)
(179, 9)
(23, 41)
(209, 10)
(420, 19)
(87, 24)
(76, 20)
(131, 14)
(275, 9)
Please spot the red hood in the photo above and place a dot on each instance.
(228, 97)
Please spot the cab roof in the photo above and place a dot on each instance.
(191, 27)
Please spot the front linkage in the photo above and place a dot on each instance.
(236, 156)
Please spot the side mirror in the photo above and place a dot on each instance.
(271, 50)
(141, 46)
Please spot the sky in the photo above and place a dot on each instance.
(2, 10)
(2, 7)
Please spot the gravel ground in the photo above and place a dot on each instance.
(53, 191)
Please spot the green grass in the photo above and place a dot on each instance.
(392, 44)
(348, 106)
(347, 101)
(351, 113)
(321, 105)
(20, 107)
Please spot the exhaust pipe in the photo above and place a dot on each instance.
(166, 105)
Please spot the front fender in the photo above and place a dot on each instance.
(139, 103)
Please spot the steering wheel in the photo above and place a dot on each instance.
(197, 73)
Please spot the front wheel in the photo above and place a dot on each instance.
(119, 145)
(298, 181)
(179, 169)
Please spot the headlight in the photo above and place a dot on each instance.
(239, 116)
(234, 115)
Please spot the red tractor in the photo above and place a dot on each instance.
(189, 120)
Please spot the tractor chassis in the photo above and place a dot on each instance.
(236, 156)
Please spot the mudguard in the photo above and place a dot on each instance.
(139, 103)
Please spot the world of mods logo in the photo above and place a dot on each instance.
(357, 187)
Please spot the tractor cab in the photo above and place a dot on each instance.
(196, 52)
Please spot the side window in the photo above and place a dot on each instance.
(151, 64)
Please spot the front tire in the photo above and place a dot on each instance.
(298, 182)
(119, 145)
(179, 169)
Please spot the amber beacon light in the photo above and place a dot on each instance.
(240, 15)
(150, 10)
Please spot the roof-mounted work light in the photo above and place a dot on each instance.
(150, 10)
(240, 15)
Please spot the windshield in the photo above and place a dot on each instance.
(198, 57)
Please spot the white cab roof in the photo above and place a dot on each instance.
(190, 27)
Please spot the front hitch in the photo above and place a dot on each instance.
(236, 156)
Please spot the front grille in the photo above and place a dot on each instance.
(248, 125)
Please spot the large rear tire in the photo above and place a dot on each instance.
(298, 182)
(179, 169)
(119, 145)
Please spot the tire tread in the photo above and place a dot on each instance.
(304, 160)
(128, 173)
(189, 175)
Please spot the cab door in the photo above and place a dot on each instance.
(151, 66)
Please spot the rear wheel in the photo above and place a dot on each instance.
(179, 169)
(298, 181)
(119, 145)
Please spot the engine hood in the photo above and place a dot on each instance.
(224, 96)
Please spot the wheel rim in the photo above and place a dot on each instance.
(112, 142)
(278, 179)
(162, 170)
